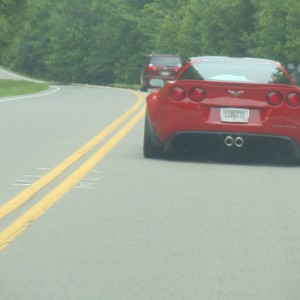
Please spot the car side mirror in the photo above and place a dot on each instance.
(158, 83)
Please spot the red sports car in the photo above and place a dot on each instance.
(225, 106)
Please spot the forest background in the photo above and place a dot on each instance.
(107, 41)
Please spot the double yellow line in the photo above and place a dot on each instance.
(38, 209)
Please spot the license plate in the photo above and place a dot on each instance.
(234, 115)
(165, 73)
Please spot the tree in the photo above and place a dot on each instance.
(224, 25)
(93, 41)
(292, 45)
(276, 33)
(113, 44)
(11, 15)
(180, 29)
(70, 24)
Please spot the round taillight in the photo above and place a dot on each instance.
(293, 99)
(197, 94)
(274, 98)
(177, 93)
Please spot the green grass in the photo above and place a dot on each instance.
(126, 86)
(10, 87)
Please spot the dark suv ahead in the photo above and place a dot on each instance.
(160, 66)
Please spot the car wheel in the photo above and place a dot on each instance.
(150, 150)
(143, 88)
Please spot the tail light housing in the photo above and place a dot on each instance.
(150, 68)
(274, 98)
(197, 94)
(176, 69)
(293, 99)
(177, 93)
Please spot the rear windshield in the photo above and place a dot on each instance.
(236, 71)
(165, 61)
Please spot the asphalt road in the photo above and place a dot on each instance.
(110, 224)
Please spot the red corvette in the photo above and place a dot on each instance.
(225, 106)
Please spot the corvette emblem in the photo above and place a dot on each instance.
(235, 93)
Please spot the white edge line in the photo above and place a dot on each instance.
(56, 89)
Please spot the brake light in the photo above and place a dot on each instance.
(150, 68)
(274, 98)
(293, 99)
(177, 93)
(177, 69)
(197, 94)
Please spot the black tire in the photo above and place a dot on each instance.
(150, 150)
(143, 89)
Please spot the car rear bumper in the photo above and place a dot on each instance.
(230, 143)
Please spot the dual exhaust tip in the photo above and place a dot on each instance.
(230, 141)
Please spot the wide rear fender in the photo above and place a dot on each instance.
(152, 106)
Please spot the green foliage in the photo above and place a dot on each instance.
(276, 33)
(69, 28)
(113, 42)
(292, 46)
(20, 87)
(269, 36)
(224, 24)
(12, 13)
(101, 42)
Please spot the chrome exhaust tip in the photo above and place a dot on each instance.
(239, 142)
(229, 141)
